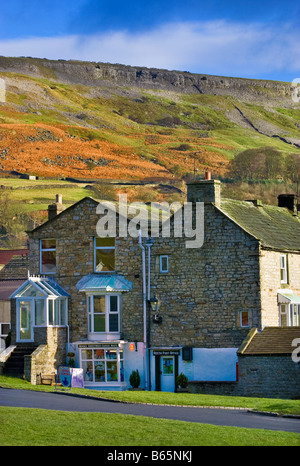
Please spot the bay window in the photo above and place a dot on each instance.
(103, 314)
(289, 315)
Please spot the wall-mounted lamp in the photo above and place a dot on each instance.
(155, 305)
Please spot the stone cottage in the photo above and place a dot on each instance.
(157, 302)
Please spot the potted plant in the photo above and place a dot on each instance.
(71, 361)
(135, 380)
(182, 383)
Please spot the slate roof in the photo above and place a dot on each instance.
(272, 340)
(275, 227)
(8, 287)
(7, 254)
(16, 268)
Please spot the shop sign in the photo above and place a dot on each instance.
(166, 352)
(64, 377)
(99, 345)
(132, 346)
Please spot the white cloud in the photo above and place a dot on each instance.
(215, 47)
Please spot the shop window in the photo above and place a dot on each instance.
(102, 365)
(104, 254)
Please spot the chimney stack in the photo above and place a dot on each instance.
(55, 208)
(289, 201)
(207, 191)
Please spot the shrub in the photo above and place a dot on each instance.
(135, 379)
(182, 380)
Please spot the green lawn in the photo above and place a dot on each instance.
(37, 427)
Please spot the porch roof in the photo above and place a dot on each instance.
(110, 282)
(40, 286)
(286, 297)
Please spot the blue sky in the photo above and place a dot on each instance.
(257, 39)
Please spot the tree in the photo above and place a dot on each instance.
(257, 164)
(292, 167)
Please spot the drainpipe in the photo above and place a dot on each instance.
(149, 243)
(144, 310)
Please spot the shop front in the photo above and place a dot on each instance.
(103, 365)
(164, 367)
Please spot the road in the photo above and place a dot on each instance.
(221, 417)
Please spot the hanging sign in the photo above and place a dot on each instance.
(64, 377)
(132, 346)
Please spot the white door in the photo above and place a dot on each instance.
(24, 312)
(167, 373)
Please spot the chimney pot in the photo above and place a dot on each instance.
(208, 175)
(56, 208)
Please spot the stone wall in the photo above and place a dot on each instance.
(271, 282)
(207, 288)
(75, 231)
(47, 357)
(201, 296)
(272, 376)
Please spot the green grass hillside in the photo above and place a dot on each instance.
(64, 120)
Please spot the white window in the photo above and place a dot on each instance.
(283, 315)
(283, 269)
(289, 315)
(104, 258)
(164, 264)
(104, 313)
(294, 315)
(57, 314)
(102, 365)
(47, 256)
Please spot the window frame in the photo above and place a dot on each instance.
(284, 279)
(93, 360)
(161, 269)
(47, 250)
(104, 248)
(241, 319)
(288, 312)
(108, 312)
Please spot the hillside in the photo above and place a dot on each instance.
(101, 121)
